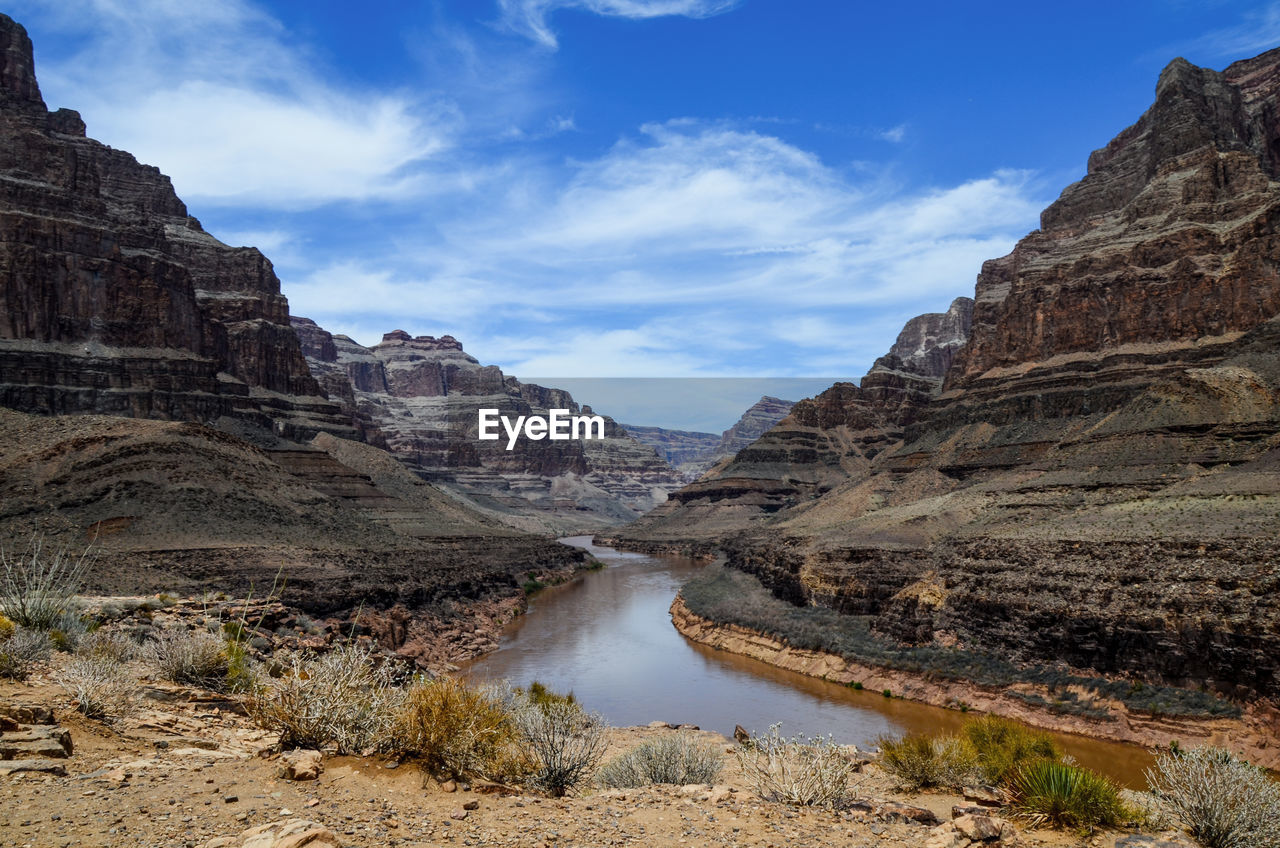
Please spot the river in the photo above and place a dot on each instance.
(608, 638)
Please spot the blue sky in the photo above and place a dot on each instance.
(638, 188)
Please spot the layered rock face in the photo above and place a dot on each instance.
(1096, 481)
(692, 453)
(423, 394)
(821, 442)
(114, 300)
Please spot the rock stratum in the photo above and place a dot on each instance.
(422, 396)
(157, 404)
(1082, 465)
(692, 453)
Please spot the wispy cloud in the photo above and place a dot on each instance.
(1256, 31)
(530, 17)
(692, 248)
(236, 113)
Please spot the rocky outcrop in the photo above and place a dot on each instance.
(114, 300)
(422, 395)
(1095, 481)
(820, 444)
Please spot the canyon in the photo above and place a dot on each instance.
(692, 453)
(1080, 467)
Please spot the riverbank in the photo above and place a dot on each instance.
(1254, 735)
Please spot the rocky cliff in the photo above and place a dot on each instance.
(422, 395)
(114, 300)
(1094, 482)
(821, 443)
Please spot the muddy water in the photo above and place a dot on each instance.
(609, 639)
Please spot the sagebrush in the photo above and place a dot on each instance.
(814, 772)
(920, 761)
(194, 657)
(22, 649)
(455, 730)
(565, 743)
(102, 687)
(678, 759)
(1222, 801)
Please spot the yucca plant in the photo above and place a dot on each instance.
(1046, 792)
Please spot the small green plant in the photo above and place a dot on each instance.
(887, 693)
(1065, 796)
(531, 586)
(856, 685)
(1003, 746)
(678, 759)
(540, 695)
(920, 761)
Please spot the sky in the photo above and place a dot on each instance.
(624, 188)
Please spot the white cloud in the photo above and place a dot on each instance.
(216, 94)
(529, 17)
(693, 249)
(894, 134)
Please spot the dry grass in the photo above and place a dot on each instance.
(678, 759)
(194, 657)
(102, 688)
(338, 700)
(814, 773)
(455, 730)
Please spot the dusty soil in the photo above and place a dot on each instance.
(188, 768)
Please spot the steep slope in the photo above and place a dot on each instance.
(1096, 483)
(114, 300)
(423, 394)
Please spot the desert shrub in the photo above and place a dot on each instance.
(1064, 795)
(564, 744)
(242, 671)
(456, 730)
(539, 695)
(679, 759)
(921, 761)
(102, 687)
(794, 771)
(1003, 747)
(22, 649)
(1223, 802)
(340, 699)
(108, 644)
(7, 627)
(194, 657)
(38, 587)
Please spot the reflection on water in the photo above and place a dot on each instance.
(609, 638)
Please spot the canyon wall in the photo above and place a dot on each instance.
(1095, 479)
(422, 396)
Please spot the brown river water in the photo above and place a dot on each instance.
(608, 637)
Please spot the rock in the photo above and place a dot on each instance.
(662, 725)
(7, 724)
(287, 833)
(987, 796)
(959, 810)
(458, 814)
(44, 766)
(300, 764)
(1172, 839)
(895, 810)
(471, 805)
(740, 734)
(449, 786)
(36, 741)
(979, 828)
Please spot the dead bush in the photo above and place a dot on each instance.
(102, 688)
(193, 657)
(1223, 802)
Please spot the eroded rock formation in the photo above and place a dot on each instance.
(422, 394)
(692, 453)
(114, 300)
